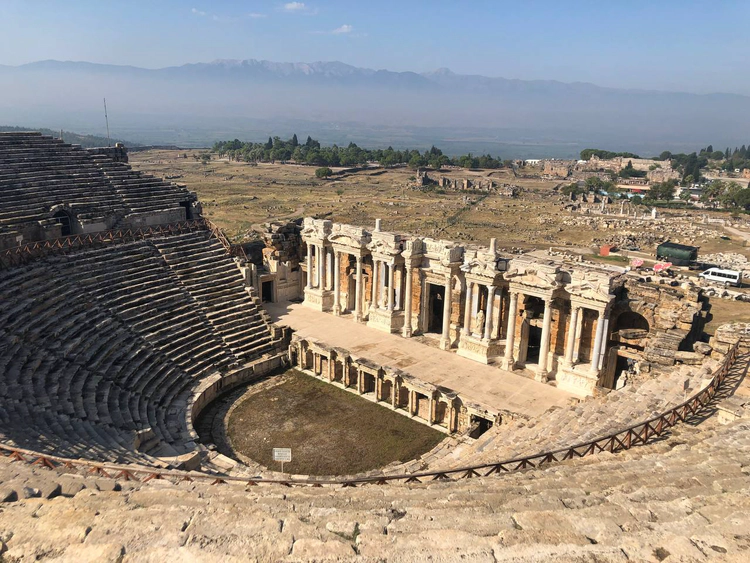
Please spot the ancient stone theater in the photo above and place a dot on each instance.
(585, 415)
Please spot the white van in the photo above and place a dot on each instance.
(726, 277)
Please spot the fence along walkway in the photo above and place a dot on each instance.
(638, 434)
(25, 253)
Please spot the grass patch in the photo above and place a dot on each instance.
(726, 311)
(330, 431)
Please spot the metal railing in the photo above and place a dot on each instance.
(232, 249)
(25, 253)
(638, 434)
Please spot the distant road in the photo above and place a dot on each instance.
(742, 234)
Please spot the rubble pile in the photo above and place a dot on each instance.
(630, 232)
(729, 261)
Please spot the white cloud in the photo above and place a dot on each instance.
(295, 7)
(346, 28)
(226, 19)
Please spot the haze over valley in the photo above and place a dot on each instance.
(197, 104)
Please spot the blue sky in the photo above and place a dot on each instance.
(664, 45)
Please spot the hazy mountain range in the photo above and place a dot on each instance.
(196, 104)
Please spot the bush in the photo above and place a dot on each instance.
(323, 172)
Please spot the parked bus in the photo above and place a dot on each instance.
(726, 277)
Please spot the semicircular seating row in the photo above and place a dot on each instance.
(38, 172)
(100, 350)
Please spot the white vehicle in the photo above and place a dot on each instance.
(726, 277)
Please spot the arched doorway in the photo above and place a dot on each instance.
(63, 219)
(630, 320)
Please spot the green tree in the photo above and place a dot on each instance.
(323, 172)
(662, 191)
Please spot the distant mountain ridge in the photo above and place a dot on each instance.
(254, 68)
(199, 103)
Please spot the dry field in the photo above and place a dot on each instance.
(330, 431)
(238, 196)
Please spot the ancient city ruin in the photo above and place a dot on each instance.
(127, 316)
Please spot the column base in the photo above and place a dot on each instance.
(386, 320)
(445, 343)
(358, 317)
(508, 364)
(320, 300)
(337, 310)
(581, 382)
(541, 376)
(478, 349)
(406, 332)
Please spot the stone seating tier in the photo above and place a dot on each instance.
(101, 350)
(679, 499)
(38, 173)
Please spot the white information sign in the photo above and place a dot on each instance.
(282, 454)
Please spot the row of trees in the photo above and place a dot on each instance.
(311, 152)
(586, 154)
(729, 195)
(726, 194)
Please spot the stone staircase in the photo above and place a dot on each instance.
(594, 417)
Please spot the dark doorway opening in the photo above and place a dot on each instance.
(535, 342)
(267, 292)
(611, 377)
(630, 320)
(188, 210)
(436, 305)
(63, 219)
(479, 426)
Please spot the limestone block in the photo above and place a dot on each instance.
(93, 553)
(307, 549)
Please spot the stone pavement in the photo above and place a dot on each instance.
(487, 385)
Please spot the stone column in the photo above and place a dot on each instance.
(391, 288)
(331, 368)
(336, 283)
(358, 292)
(544, 347)
(375, 283)
(321, 267)
(603, 345)
(381, 288)
(407, 302)
(510, 333)
(579, 332)
(309, 266)
(431, 416)
(571, 341)
(594, 369)
(445, 342)
(329, 264)
(466, 329)
(488, 312)
(475, 309)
